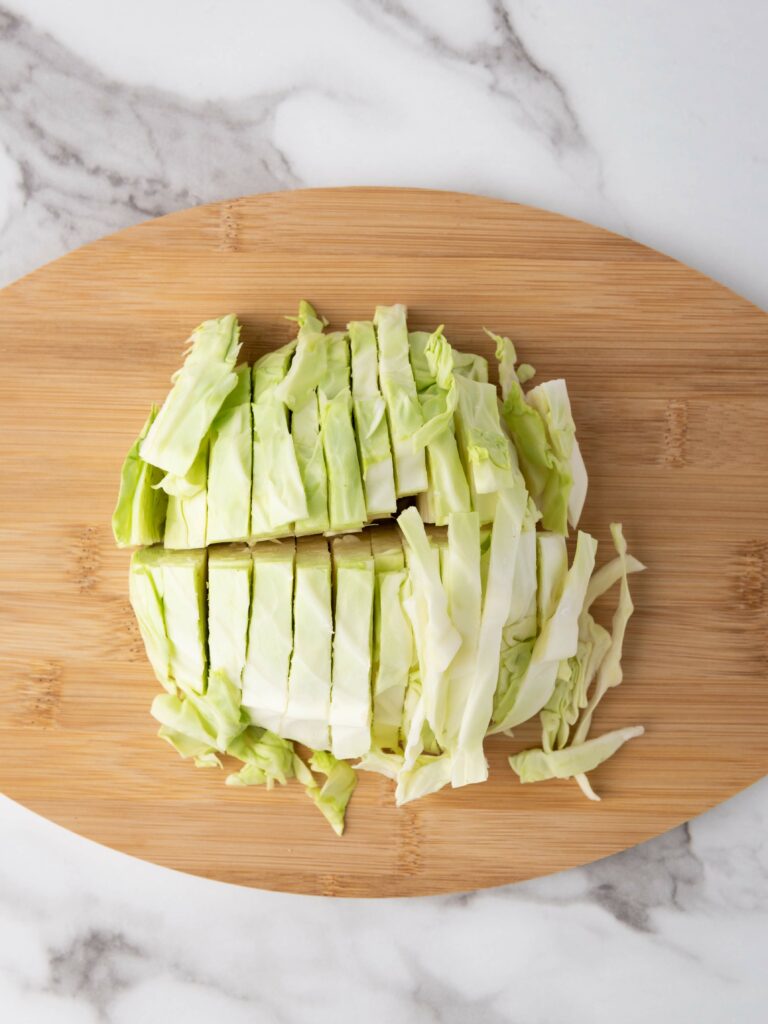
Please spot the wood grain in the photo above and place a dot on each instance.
(667, 372)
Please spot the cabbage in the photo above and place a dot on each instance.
(220, 709)
(229, 602)
(332, 797)
(463, 587)
(306, 716)
(278, 497)
(230, 463)
(350, 714)
(537, 766)
(557, 641)
(467, 364)
(139, 516)
(610, 673)
(399, 390)
(266, 758)
(551, 401)
(346, 500)
(270, 634)
(145, 587)
(437, 639)
(187, 512)
(469, 764)
(310, 360)
(308, 446)
(481, 439)
(392, 639)
(199, 389)
(428, 774)
(432, 362)
(548, 478)
(370, 413)
(185, 620)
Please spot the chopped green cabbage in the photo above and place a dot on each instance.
(346, 499)
(399, 389)
(306, 717)
(278, 497)
(270, 634)
(186, 518)
(371, 429)
(332, 797)
(230, 465)
(145, 586)
(139, 516)
(537, 766)
(229, 602)
(350, 713)
(392, 639)
(184, 603)
(199, 390)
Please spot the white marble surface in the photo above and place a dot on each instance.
(649, 118)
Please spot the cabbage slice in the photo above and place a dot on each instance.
(184, 577)
(332, 797)
(309, 364)
(278, 497)
(537, 765)
(139, 516)
(145, 587)
(447, 491)
(557, 641)
(399, 390)
(469, 763)
(186, 521)
(371, 430)
(270, 634)
(392, 639)
(230, 465)
(346, 499)
(198, 392)
(306, 717)
(229, 600)
(350, 713)
(437, 639)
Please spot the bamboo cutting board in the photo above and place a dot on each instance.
(667, 372)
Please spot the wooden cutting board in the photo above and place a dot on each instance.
(668, 374)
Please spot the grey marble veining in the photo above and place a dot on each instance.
(621, 114)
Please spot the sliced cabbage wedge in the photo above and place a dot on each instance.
(437, 639)
(277, 497)
(447, 486)
(184, 579)
(371, 428)
(270, 634)
(139, 516)
(469, 764)
(346, 499)
(229, 601)
(310, 361)
(393, 650)
(403, 408)
(230, 466)
(350, 714)
(145, 587)
(199, 390)
(308, 446)
(186, 521)
(307, 713)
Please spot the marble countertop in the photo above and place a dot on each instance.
(649, 119)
